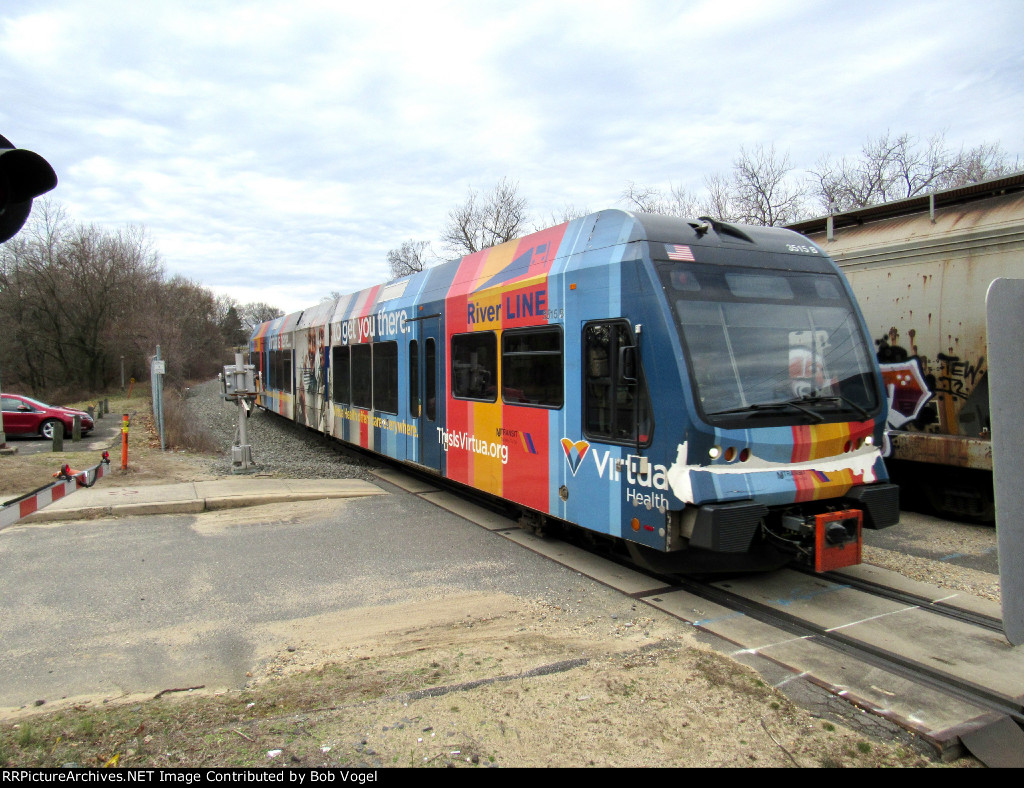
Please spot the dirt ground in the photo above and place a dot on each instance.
(519, 683)
(453, 678)
(511, 683)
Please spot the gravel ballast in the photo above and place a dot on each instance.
(279, 448)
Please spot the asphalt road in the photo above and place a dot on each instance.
(143, 604)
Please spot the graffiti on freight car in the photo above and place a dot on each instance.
(958, 378)
(907, 387)
(906, 390)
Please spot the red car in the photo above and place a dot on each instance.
(27, 416)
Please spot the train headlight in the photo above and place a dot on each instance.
(715, 452)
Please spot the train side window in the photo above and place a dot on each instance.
(274, 370)
(616, 405)
(531, 367)
(285, 379)
(279, 372)
(385, 377)
(414, 379)
(430, 383)
(475, 366)
(340, 383)
(362, 376)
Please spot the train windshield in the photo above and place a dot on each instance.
(771, 344)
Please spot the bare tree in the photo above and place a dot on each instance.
(896, 167)
(567, 214)
(645, 199)
(762, 187)
(75, 299)
(985, 161)
(409, 258)
(257, 312)
(720, 202)
(677, 201)
(77, 287)
(760, 190)
(481, 222)
(182, 319)
(763, 191)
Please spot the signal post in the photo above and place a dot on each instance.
(24, 175)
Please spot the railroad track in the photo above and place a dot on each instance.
(937, 606)
(896, 661)
(938, 669)
(906, 657)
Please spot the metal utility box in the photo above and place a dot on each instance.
(239, 380)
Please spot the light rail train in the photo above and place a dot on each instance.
(704, 394)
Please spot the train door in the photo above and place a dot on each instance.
(288, 381)
(609, 478)
(616, 405)
(425, 397)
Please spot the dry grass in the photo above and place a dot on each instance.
(181, 431)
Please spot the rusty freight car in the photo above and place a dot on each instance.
(920, 269)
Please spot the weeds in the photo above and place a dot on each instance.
(181, 430)
(25, 736)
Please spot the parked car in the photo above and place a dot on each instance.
(27, 416)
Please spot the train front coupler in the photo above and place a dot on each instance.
(832, 539)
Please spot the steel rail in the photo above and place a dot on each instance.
(938, 607)
(917, 672)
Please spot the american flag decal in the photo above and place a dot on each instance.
(679, 252)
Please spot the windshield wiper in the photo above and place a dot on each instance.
(812, 399)
(760, 407)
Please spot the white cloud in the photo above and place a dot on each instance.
(283, 149)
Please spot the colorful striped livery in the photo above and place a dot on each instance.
(702, 391)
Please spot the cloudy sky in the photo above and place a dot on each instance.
(276, 151)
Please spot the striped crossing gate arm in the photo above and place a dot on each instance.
(68, 482)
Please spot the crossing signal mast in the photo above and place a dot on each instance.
(239, 385)
(24, 175)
